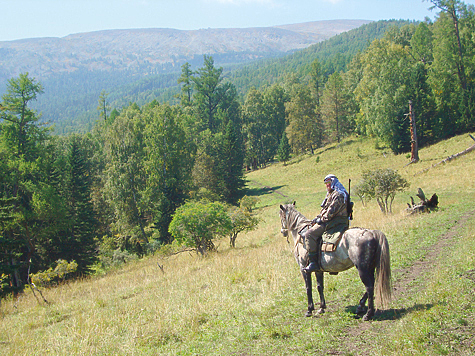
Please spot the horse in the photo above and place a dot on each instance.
(365, 249)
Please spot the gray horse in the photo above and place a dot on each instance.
(367, 250)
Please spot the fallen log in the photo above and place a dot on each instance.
(450, 158)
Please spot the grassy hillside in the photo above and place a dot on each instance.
(251, 300)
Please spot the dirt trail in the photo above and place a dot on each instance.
(353, 340)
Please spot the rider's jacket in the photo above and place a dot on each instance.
(333, 206)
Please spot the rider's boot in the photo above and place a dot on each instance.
(313, 265)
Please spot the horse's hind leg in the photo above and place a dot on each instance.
(308, 285)
(367, 277)
(323, 305)
(362, 304)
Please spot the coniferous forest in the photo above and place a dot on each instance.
(111, 193)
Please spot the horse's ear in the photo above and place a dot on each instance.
(294, 202)
(281, 207)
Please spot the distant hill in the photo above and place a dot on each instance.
(152, 50)
(143, 64)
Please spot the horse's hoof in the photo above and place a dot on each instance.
(320, 311)
(368, 317)
(308, 314)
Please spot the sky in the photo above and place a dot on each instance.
(21, 19)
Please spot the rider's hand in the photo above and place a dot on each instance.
(317, 220)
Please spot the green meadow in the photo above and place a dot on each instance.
(251, 300)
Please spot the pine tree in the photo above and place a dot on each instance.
(10, 249)
(283, 152)
(80, 242)
(231, 162)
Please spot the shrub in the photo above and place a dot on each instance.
(51, 276)
(382, 185)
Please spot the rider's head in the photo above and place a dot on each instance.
(328, 180)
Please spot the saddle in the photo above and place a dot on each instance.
(333, 233)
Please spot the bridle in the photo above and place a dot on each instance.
(285, 230)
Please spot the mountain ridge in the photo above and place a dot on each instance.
(161, 49)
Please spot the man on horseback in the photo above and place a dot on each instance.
(332, 218)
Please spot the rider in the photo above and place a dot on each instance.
(333, 216)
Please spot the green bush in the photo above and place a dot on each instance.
(382, 185)
(52, 276)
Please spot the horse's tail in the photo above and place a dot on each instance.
(383, 270)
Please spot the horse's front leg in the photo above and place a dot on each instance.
(308, 285)
(323, 305)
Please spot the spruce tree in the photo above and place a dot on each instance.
(10, 249)
(231, 162)
(80, 242)
(283, 152)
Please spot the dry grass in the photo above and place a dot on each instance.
(248, 300)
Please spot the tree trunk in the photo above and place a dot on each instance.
(414, 146)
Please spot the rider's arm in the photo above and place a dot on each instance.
(335, 204)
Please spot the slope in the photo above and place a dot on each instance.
(251, 300)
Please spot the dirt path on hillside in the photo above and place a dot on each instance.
(356, 340)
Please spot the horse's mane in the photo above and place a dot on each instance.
(295, 219)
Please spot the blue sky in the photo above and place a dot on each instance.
(58, 18)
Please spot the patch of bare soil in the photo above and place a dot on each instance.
(356, 338)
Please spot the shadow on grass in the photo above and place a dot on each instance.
(264, 190)
(340, 145)
(390, 314)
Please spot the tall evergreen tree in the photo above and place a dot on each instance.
(22, 139)
(215, 106)
(283, 153)
(209, 94)
(80, 242)
(187, 84)
(103, 106)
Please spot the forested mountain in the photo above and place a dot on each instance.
(70, 99)
(126, 63)
(334, 54)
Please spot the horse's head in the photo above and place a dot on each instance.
(284, 216)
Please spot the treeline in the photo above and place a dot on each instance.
(333, 55)
(113, 192)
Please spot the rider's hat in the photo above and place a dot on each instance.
(329, 178)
